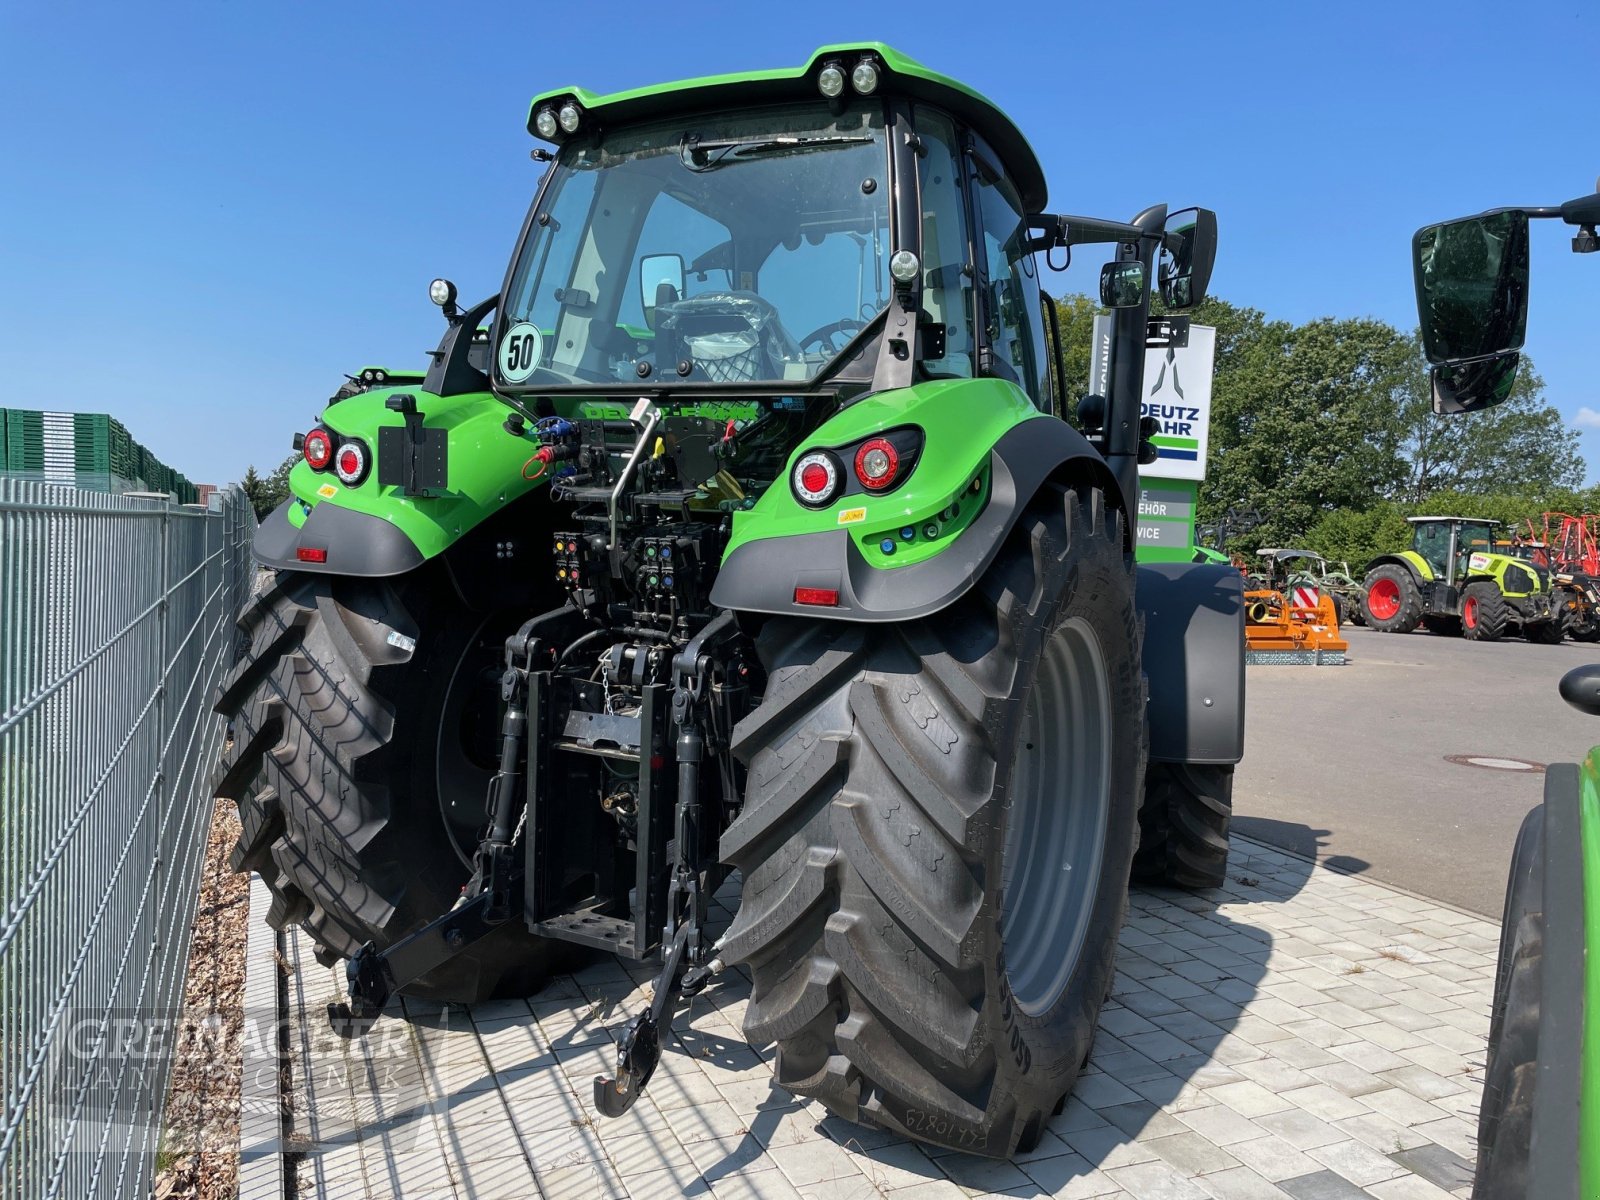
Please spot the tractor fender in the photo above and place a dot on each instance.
(761, 576)
(1409, 559)
(334, 540)
(1193, 660)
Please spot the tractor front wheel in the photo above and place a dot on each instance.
(936, 839)
(1484, 612)
(1390, 601)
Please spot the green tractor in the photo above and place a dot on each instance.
(757, 542)
(1456, 579)
(1539, 1122)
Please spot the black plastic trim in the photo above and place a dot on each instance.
(1194, 660)
(1553, 1155)
(761, 576)
(357, 544)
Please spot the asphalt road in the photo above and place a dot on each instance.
(1348, 763)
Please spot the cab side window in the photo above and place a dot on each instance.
(946, 253)
(1011, 310)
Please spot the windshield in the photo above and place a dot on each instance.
(742, 248)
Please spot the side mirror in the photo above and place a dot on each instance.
(1472, 305)
(1185, 270)
(657, 272)
(1122, 284)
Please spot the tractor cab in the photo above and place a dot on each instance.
(1447, 544)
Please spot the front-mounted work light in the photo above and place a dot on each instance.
(903, 266)
(830, 81)
(442, 292)
(544, 123)
(569, 117)
(865, 77)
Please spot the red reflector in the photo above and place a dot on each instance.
(814, 478)
(349, 462)
(824, 597)
(311, 554)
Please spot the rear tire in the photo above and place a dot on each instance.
(1544, 633)
(338, 712)
(1183, 826)
(1505, 1119)
(1484, 612)
(917, 966)
(1390, 601)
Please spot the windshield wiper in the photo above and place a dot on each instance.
(707, 156)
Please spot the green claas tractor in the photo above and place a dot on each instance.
(1456, 579)
(1539, 1122)
(757, 542)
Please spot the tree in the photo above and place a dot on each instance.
(1520, 446)
(266, 494)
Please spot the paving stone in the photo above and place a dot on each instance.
(1273, 1158)
(1357, 1161)
(1300, 1129)
(1156, 1181)
(1438, 1165)
(1241, 1183)
(1249, 1098)
(1068, 1177)
(1220, 1125)
(1323, 1185)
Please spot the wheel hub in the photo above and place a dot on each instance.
(1383, 599)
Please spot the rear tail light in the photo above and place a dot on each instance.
(877, 464)
(350, 463)
(318, 449)
(817, 478)
(312, 554)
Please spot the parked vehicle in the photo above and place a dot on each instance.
(758, 543)
(1456, 579)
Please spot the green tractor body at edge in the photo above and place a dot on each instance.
(755, 541)
(1456, 580)
(1539, 1122)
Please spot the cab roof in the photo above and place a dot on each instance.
(901, 75)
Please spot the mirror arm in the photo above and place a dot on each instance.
(1060, 230)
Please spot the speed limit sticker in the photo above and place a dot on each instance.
(520, 352)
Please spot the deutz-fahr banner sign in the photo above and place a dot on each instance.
(1177, 393)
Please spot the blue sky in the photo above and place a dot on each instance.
(210, 211)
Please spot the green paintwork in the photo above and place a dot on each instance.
(485, 461)
(1589, 1064)
(485, 466)
(961, 420)
(1408, 558)
(1019, 158)
(1484, 564)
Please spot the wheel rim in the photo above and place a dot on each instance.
(1383, 599)
(467, 740)
(1056, 825)
(1469, 612)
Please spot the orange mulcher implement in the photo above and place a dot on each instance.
(1278, 632)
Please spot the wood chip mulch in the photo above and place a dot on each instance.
(199, 1156)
